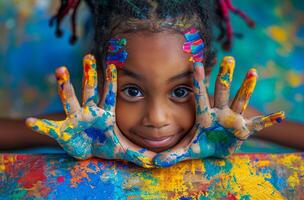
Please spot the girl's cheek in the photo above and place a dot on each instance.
(185, 114)
(127, 114)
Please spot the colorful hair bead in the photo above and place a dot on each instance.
(117, 54)
(194, 45)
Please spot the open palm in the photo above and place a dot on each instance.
(218, 130)
(89, 130)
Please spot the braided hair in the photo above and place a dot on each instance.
(114, 17)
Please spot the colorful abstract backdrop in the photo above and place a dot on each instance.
(30, 52)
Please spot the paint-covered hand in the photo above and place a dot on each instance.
(90, 130)
(219, 130)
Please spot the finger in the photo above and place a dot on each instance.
(138, 158)
(66, 91)
(242, 97)
(259, 123)
(89, 82)
(203, 115)
(223, 81)
(47, 127)
(109, 98)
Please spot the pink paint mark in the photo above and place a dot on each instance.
(60, 179)
(251, 73)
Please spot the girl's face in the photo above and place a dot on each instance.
(155, 103)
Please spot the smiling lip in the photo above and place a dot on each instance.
(159, 142)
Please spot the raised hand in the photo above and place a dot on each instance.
(89, 130)
(221, 129)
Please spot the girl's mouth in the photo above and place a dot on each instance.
(159, 142)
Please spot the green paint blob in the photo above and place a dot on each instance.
(217, 136)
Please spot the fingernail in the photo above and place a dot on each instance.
(29, 122)
(252, 73)
(229, 59)
(62, 74)
(198, 65)
(89, 61)
(277, 117)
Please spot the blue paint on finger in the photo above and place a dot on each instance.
(110, 98)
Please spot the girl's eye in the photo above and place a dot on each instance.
(181, 92)
(132, 91)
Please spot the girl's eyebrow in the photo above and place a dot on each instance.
(181, 75)
(139, 77)
(131, 73)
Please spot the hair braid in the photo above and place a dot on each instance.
(113, 17)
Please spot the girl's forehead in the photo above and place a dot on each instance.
(156, 48)
(162, 45)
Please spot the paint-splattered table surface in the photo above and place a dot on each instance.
(242, 176)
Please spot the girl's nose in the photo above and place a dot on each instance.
(156, 115)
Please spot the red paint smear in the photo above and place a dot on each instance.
(33, 174)
(60, 179)
(230, 197)
(87, 68)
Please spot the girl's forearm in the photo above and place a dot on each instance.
(14, 134)
(287, 133)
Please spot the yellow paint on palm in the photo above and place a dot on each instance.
(230, 121)
(226, 71)
(246, 89)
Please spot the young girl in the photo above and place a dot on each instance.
(155, 49)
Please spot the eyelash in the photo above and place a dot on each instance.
(174, 97)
